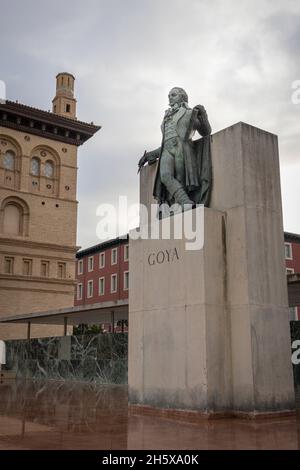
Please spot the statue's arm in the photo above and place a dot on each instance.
(201, 124)
(149, 157)
(153, 155)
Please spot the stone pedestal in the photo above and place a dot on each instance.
(209, 331)
(179, 349)
(246, 179)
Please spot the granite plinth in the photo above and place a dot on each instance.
(97, 358)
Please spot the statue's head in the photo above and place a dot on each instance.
(177, 96)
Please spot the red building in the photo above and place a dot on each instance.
(102, 271)
(102, 274)
(292, 259)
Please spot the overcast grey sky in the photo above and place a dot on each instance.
(238, 58)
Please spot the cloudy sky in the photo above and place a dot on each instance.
(237, 57)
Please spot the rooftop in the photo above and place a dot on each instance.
(293, 237)
(45, 123)
(102, 246)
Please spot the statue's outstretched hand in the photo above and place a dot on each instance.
(149, 157)
(143, 160)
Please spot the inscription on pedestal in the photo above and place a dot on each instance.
(163, 256)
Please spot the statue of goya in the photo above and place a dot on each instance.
(184, 173)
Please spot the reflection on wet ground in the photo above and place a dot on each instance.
(77, 415)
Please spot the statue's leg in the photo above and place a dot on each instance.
(179, 168)
(167, 172)
(167, 176)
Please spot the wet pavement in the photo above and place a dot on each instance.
(77, 415)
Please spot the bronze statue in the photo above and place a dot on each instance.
(184, 168)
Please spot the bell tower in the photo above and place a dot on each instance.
(38, 208)
(64, 102)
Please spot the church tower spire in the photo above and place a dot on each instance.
(64, 102)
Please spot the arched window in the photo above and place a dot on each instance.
(45, 170)
(12, 222)
(49, 169)
(9, 160)
(14, 217)
(35, 166)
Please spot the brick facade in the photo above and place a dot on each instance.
(90, 270)
(292, 259)
(38, 215)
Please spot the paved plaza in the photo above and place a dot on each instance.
(75, 415)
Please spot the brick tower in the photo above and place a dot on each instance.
(64, 102)
(38, 206)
